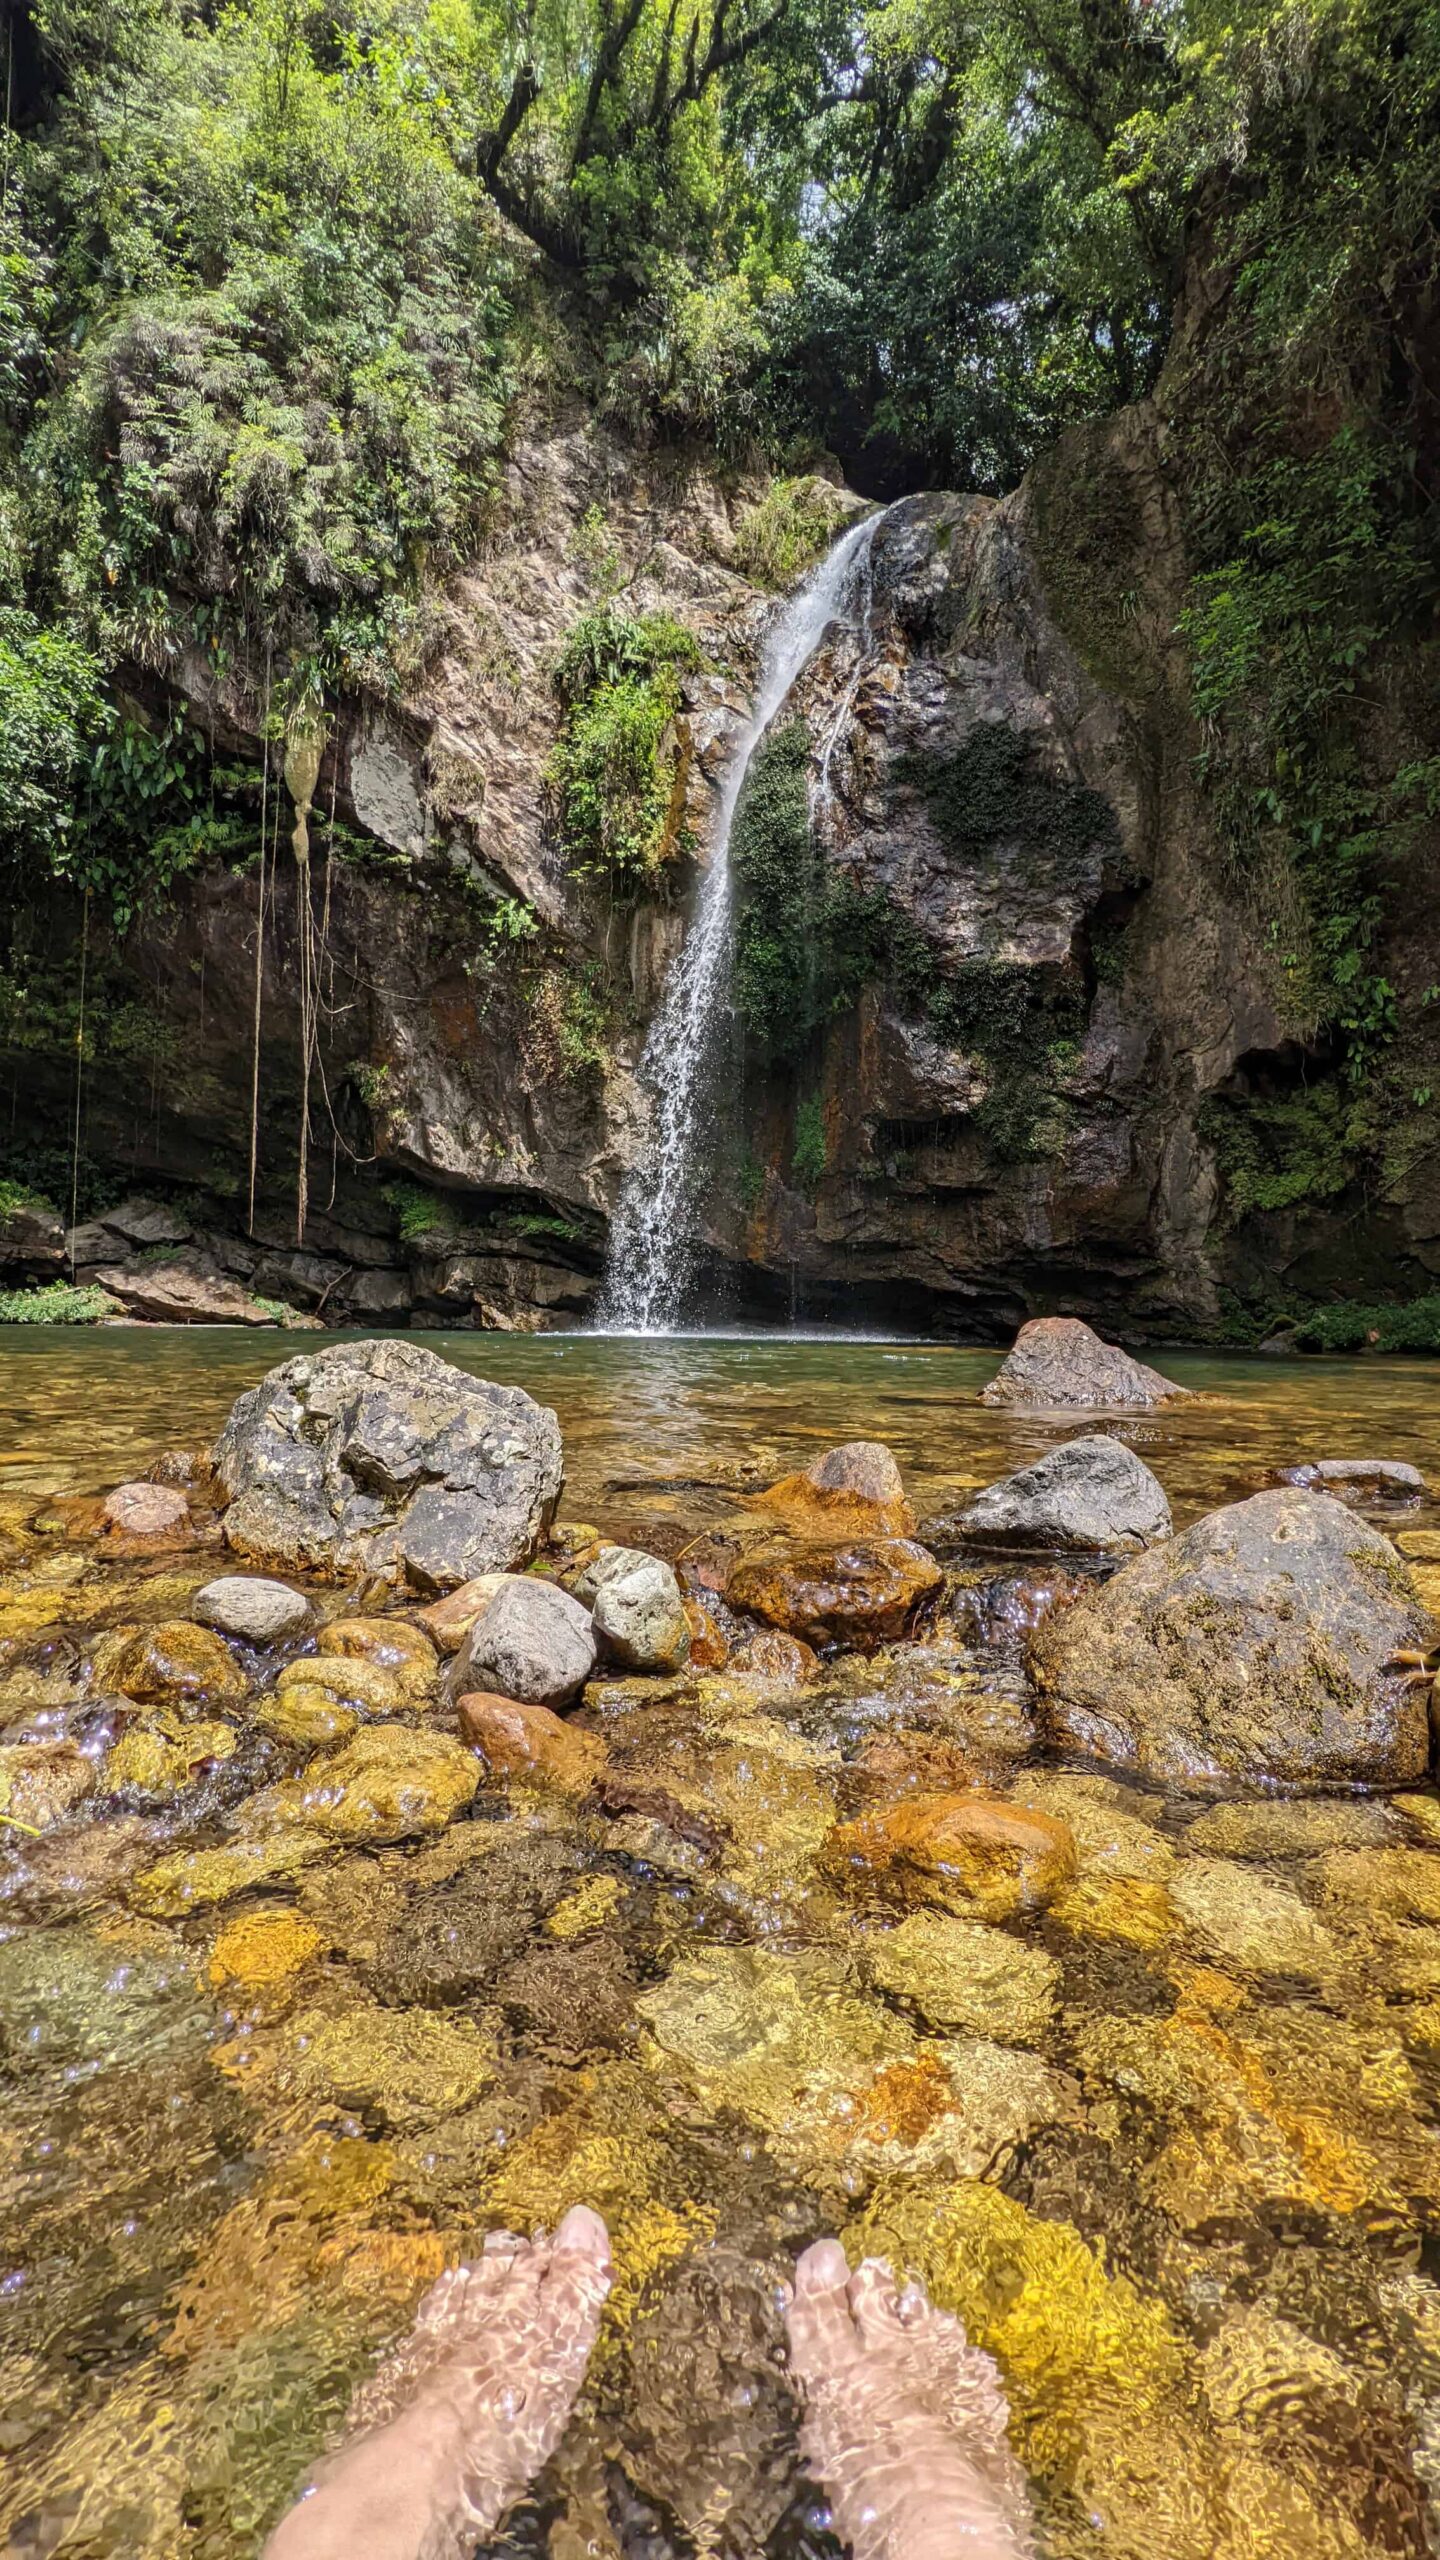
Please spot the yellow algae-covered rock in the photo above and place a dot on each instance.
(350, 1680)
(1120, 1895)
(260, 2263)
(393, 1644)
(841, 2088)
(1069, 2337)
(193, 1879)
(304, 1715)
(958, 1973)
(1266, 2107)
(1401, 1883)
(966, 1853)
(1422, 1811)
(1246, 1920)
(1421, 1545)
(40, 1782)
(403, 2066)
(263, 1950)
(588, 1907)
(391, 1782)
(174, 1659)
(1294, 1826)
(165, 1755)
(1257, 2367)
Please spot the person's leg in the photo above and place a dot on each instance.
(904, 2422)
(454, 2427)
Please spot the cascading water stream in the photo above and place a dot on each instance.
(653, 1241)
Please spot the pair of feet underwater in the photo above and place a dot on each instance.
(904, 2422)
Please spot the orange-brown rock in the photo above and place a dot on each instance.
(964, 1853)
(519, 1741)
(857, 1591)
(774, 1656)
(852, 1491)
(448, 1621)
(708, 1648)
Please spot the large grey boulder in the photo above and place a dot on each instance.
(1253, 1646)
(1057, 1360)
(1093, 1494)
(533, 1643)
(383, 1456)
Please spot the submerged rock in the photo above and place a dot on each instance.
(382, 1456)
(1089, 1494)
(1254, 1645)
(1057, 1360)
(253, 1608)
(404, 1652)
(841, 2088)
(305, 1714)
(958, 1973)
(971, 1854)
(859, 1591)
(1246, 1920)
(453, 1939)
(264, 1951)
(167, 1753)
(533, 1642)
(391, 1782)
(770, 1655)
(348, 1679)
(40, 1782)
(1359, 1479)
(194, 1879)
(145, 1511)
(176, 1659)
(402, 2067)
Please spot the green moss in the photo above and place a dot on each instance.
(994, 793)
(808, 937)
(810, 1154)
(618, 768)
(1088, 527)
(58, 1302)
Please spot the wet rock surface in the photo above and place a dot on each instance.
(1253, 1646)
(1094, 1494)
(353, 1968)
(858, 1592)
(252, 1608)
(532, 1642)
(1057, 1360)
(382, 1455)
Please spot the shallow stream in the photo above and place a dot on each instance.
(1171, 2148)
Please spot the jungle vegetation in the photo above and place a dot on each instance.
(277, 277)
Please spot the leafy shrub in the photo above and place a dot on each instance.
(1289, 1152)
(58, 1302)
(791, 528)
(417, 1212)
(617, 768)
(994, 792)
(1351, 1327)
(18, 1198)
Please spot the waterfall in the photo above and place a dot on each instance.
(653, 1241)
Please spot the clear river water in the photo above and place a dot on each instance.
(1170, 2147)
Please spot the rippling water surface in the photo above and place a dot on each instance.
(1169, 2148)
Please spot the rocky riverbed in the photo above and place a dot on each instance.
(1040, 1888)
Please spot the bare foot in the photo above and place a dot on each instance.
(459, 2420)
(904, 2422)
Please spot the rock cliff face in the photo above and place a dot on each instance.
(996, 1112)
